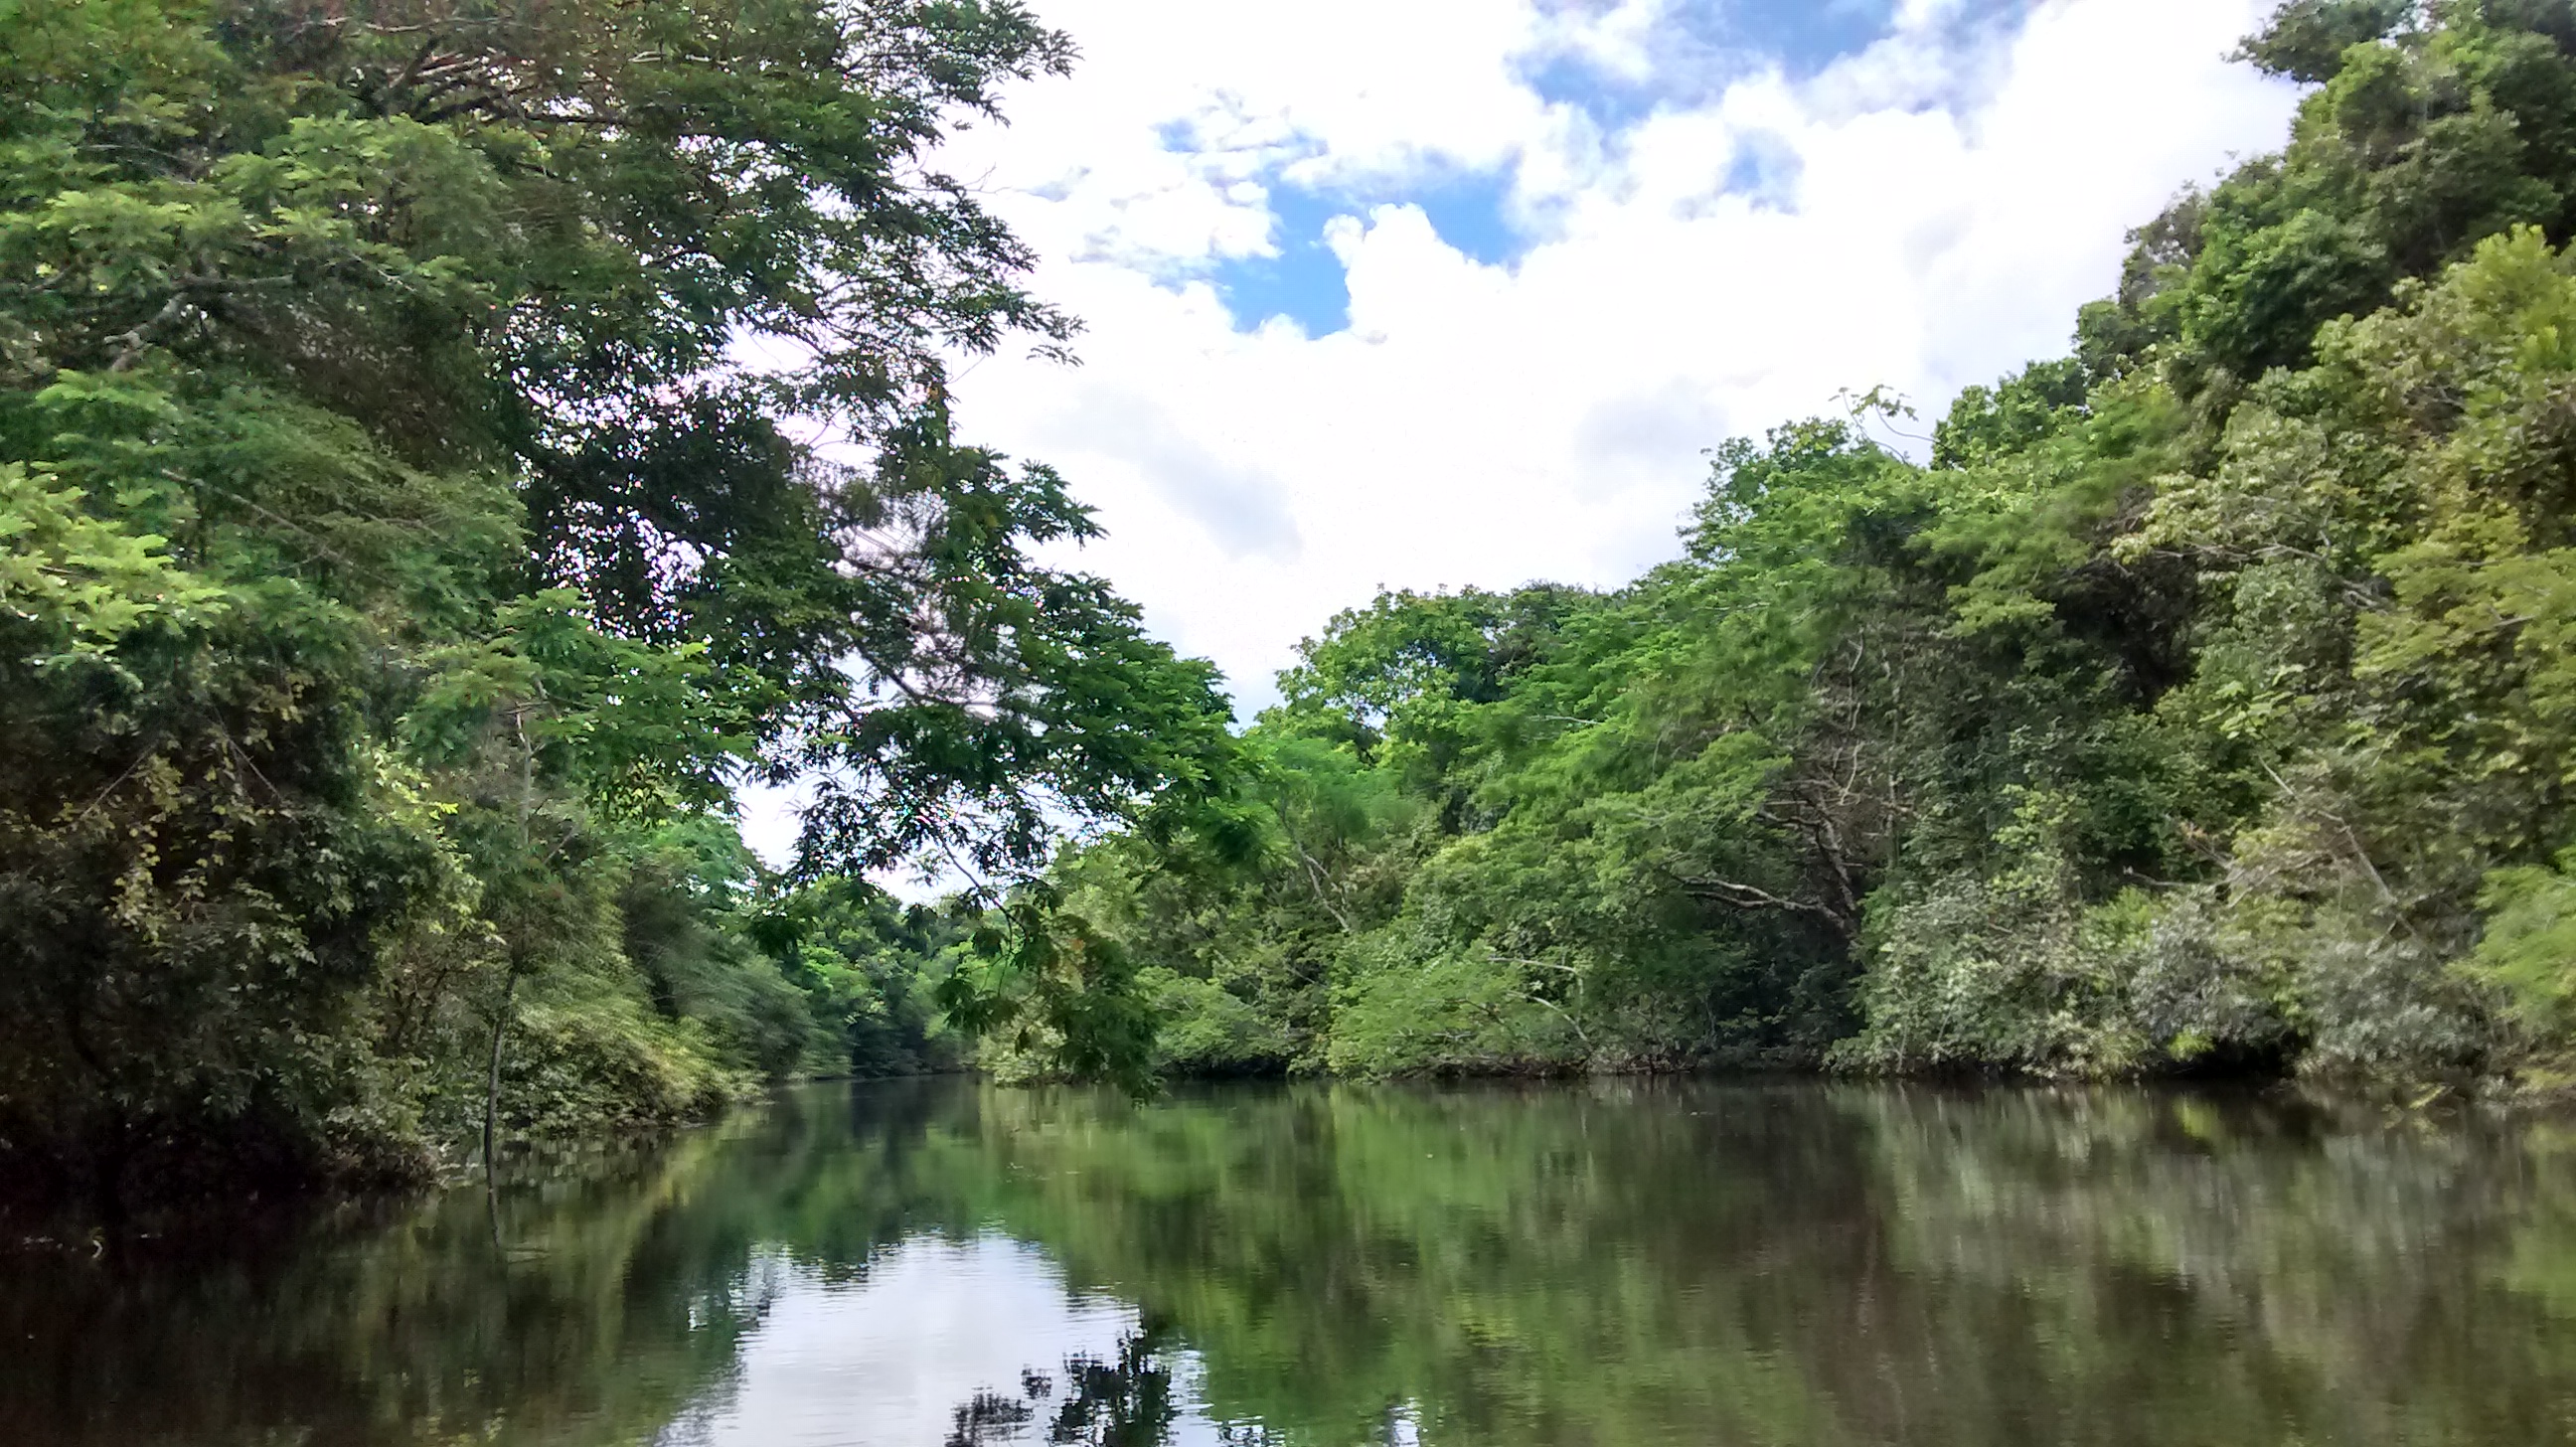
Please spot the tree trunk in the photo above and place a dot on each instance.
(492, 1075)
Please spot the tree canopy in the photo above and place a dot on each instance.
(2198, 702)
(445, 445)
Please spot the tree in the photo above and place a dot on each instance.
(2201, 705)
(407, 522)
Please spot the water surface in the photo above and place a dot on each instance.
(945, 1264)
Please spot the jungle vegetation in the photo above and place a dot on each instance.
(415, 531)
(2202, 700)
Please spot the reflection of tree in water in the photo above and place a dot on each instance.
(1616, 1264)
(989, 1417)
(1123, 1402)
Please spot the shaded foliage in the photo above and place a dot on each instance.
(403, 564)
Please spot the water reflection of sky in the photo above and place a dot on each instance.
(1616, 1264)
(888, 1361)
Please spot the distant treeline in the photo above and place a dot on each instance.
(2206, 700)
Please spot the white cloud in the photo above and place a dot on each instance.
(1934, 209)
(1482, 425)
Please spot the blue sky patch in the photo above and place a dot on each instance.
(1612, 103)
(1805, 36)
(1305, 281)
(1710, 44)
(1765, 171)
(1713, 42)
(1467, 210)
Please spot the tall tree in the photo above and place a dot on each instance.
(404, 418)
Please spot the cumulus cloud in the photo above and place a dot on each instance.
(1695, 259)
(1232, 498)
(1707, 237)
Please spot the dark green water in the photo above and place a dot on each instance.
(945, 1263)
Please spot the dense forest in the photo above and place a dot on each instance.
(2203, 700)
(417, 527)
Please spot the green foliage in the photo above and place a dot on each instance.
(1067, 994)
(396, 572)
(2306, 39)
(2204, 703)
(77, 583)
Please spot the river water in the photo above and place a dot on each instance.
(947, 1263)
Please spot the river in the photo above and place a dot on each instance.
(947, 1263)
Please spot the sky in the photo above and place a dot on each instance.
(1444, 293)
